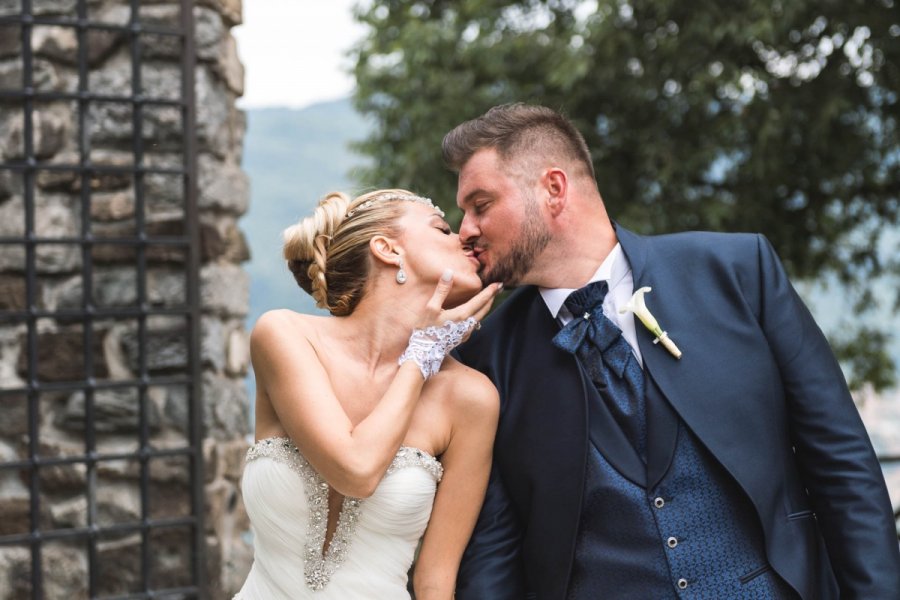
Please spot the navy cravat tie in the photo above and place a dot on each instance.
(608, 359)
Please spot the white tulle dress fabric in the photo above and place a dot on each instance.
(372, 548)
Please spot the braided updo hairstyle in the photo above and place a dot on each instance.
(328, 251)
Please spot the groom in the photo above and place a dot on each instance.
(739, 470)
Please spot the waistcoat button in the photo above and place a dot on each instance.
(659, 502)
(672, 542)
(682, 583)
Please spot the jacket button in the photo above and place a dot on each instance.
(659, 502)
(672, 542)
(682, 584)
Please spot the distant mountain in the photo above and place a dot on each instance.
(293, 157)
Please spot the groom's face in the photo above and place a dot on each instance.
(502, 223)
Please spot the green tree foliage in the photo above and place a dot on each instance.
(778, 116)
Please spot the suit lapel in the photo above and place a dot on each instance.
(662, 421)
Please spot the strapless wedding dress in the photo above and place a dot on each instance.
(374, 542)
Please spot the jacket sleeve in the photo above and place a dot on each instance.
(836, 460)
(491, 566)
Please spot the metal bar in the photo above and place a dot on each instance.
(90, 439)
(189, 122)
(41, 95)
(82, 532)
(161, 380)
(112, 241)
(30, 300)
(98, 169)
(68, 22)
(53, 461)
(137, 139)
(99, 313)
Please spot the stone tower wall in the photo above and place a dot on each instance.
(116, 282)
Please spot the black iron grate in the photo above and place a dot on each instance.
(81, 324)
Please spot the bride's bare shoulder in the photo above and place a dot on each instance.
(467, 390)
(283, 326)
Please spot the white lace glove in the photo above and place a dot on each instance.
(428, 347)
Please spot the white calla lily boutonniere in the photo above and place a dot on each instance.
(639, 308)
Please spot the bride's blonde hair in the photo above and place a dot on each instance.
(328, 251)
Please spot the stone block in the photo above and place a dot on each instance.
(63, 478)
(212, 343)
(222, 239)
(56, 215)
(56, 43)
(231, 458)
(15, 569)
(225, 407)
(60, 357)
(101, 44)
(51, 125)
(11, 73)
(115, 411)
(209, 31)
(10, 184)
(115, 286)
(170, 501)
(171, 551)
(161, 79)
(12, 292)
(164, 350)
(237, 355)
(231, 10)
(221, 184)
(12, 222)
(112, 206)
(14, 408)
(214, 106)
(11, 344)
(53, 7)
(70, 513)
(166, 287)
(229, 67)
(119, 561)
(210, 460)
(65, 570)
(174, 471)
(16, 513)
(224, 289)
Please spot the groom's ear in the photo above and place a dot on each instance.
(385, 250)
(555, 184)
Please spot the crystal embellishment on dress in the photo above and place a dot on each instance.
(318, 568)
(410, 457)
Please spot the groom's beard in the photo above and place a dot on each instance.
(518, 261)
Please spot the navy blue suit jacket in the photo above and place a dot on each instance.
(757, 384)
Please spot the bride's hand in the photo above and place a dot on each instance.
(476, 307)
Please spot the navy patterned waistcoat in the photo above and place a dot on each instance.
(693, 535)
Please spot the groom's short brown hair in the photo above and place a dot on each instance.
(515, 130)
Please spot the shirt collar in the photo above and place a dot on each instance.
(612, 270)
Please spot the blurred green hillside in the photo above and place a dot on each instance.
(293, 158)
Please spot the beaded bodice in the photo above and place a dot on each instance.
(287, 501)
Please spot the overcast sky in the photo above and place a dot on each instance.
(292, 51)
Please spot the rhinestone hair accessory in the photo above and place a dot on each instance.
(428, 347)
(394, 198)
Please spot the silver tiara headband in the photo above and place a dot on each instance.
(393, 198)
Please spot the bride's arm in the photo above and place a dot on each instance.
(352, 459)
(467, 464)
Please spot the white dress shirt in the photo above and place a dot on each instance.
(616, 271)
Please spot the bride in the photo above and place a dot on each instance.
(368, 435)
